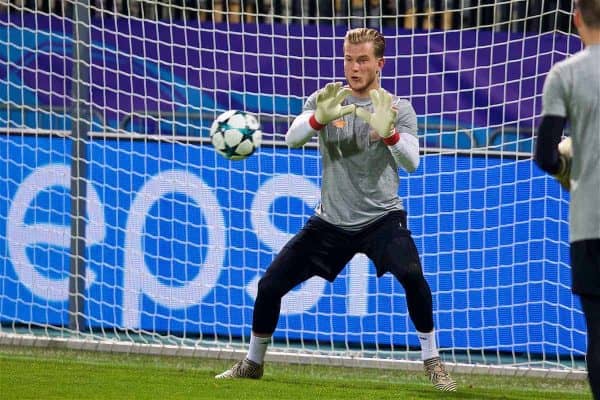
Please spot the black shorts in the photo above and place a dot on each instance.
(323, 249)
(585, 267)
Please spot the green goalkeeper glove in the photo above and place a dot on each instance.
(329, 103)
(564, 173)
(565, 155)
(383, 116)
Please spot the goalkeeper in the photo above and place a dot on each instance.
(365, 134)
(572, 92)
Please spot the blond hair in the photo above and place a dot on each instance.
(366, 35)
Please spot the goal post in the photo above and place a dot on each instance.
(176, 236)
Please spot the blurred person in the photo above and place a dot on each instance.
(20, 4)
(357, 13)
(429, 14)
(147, 9)
(114, 6)
(365, 134)
(572, 94)
(517, 15)
(548, 15)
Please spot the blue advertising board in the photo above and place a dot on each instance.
(177, 237)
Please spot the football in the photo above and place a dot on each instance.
(235, 134)
(565, 147)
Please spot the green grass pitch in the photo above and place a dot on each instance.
(35, 373)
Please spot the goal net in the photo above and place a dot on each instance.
(122, 228)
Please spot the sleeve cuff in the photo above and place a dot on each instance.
(315, 124)
(392, 139)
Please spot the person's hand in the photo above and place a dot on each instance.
(383, 116)
(329, 103)
(565, 156)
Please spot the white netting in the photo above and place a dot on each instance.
(177, 236)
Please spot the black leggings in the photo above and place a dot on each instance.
(591, 309)
(585, 267)
(321, 249)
